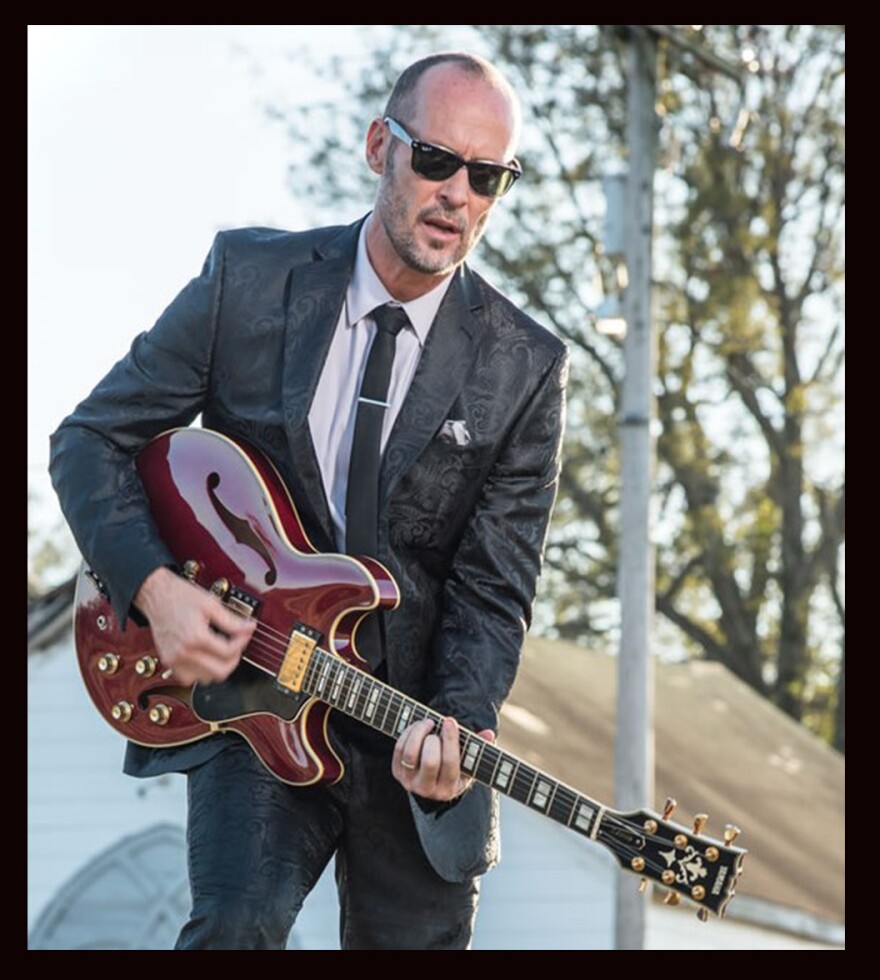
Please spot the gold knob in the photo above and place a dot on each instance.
(680, 841)
(698, 893)
(669, 807)
(643, 885)
(651, 826)
(191, 568)
(108, 663)
(671, 898)
(146, 666)
(220, 587)
(122, 711)
(700, 821)
(712, 854)
(160, 714)
(668, 876)
(731, 832)
(637, 864)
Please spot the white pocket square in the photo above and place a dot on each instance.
(456, 431)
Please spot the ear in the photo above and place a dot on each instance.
(376, 147)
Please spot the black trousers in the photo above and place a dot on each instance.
(257, 847)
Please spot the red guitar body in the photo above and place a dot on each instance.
(227, 518)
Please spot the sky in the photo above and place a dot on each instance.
(142, 142)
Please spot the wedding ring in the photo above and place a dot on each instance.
(406, 765)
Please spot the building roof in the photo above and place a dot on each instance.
(720, 748)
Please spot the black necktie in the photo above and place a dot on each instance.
(362, 494)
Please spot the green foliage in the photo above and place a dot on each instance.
(748, 307)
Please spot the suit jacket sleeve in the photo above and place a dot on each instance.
(160, 384)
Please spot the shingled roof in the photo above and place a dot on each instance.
(719, 748)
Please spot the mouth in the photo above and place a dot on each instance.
(443, 228)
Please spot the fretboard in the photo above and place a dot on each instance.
(381, 707)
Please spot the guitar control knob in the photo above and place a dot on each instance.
(220, 587)
(122, 711)
(160, 714)
(191, 569)
(146, 666)
(700, 821)
(669, 807)
(108, 663)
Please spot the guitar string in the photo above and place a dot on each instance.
(272, 643)
(525, 777)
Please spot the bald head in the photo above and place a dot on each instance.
(402, 101)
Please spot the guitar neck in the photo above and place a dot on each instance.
(381, 707)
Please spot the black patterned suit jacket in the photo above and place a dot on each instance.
(467, 483)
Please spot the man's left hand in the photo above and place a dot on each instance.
(429, 765)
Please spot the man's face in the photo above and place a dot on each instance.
(425, 228)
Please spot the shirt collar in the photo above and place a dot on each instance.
(366, 291)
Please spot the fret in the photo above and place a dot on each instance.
(505, 774)
(494, 752)
(323, 675)
(403, 717)
(470, 758)
(351, 702)
(387, 693)
(369, 713)
(338, 678)
(582, 815)
(542, 793)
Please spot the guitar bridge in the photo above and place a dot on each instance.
(241, 602)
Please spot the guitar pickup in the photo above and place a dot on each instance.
(297, 658)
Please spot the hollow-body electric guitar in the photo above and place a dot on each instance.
(229, 521)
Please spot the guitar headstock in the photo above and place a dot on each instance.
(681, 859)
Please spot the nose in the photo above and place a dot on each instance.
(455, 189)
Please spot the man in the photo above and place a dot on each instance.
(270, 344)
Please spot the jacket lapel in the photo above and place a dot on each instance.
(317, 293)
(438, 379)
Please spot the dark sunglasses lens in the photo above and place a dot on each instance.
(486, 179)
(489, 180)
(433, 163)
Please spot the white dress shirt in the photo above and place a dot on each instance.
(333, 412)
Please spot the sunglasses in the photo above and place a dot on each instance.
(435, 163)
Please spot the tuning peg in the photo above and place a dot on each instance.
(669, 807)
(700, 821)
(643, 885)
(731, 832)
(671, 898)
(703, 915)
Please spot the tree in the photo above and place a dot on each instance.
(749, 289)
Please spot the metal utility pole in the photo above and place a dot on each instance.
(634, 756)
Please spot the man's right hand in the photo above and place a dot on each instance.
(194, 633)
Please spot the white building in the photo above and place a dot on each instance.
(106, 864)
